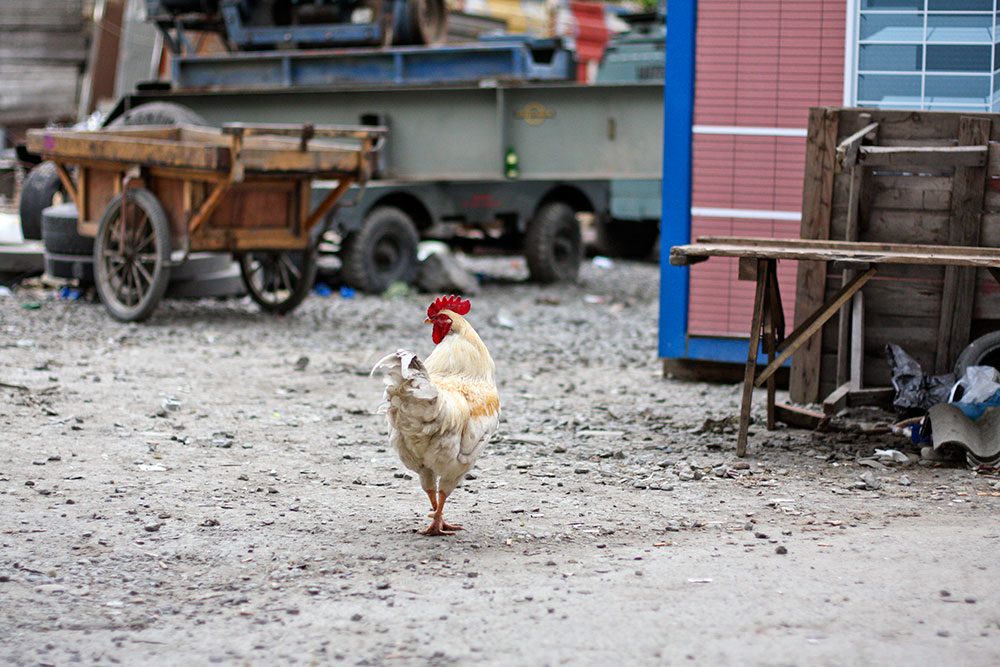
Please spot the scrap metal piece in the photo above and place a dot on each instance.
(980, 439)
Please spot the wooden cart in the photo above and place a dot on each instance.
(151, 195)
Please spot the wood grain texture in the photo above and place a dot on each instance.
(817, 203)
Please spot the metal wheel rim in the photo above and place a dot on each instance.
(130, 257)
(273, 276)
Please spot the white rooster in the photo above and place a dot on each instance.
(441, 412)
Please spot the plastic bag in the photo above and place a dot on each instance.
(977, 385)
(915, 391)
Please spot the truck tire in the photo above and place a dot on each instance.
(42, 188)
(984, 351)
(59, 233)
(425, 22)
(158, 113)
(632, 239)
(553, 245)
(382, 252)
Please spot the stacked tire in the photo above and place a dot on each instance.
(67, 254)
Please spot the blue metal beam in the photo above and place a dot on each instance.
(675, 223)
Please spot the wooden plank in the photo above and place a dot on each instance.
(919, 156)
(68, 145)
(960, 282)
(288, 129)
(817, 202)
(851, 234)
(22, 14)
(967, 256)
(312, 162)
(840, 249)
(857, 353)
(800, 417)
(235, 239)
(847, 150)
(37, 91)
(916, 226)
(837, 400)
(68, 46)
(913, 192)
(772, 308)
(751, 367)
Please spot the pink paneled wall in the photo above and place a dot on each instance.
(760, 66)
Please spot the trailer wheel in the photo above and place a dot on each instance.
(158, 113)
(382, 252)
(132, 255)
(426, 22)
(984, 351)
(41, 188)
(632, 239)
(278, 280)
(553, 245)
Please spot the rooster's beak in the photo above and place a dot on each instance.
(428, 321)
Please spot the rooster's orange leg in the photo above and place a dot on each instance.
(438, 525)
(432, 494)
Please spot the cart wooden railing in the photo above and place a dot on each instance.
(150, 195)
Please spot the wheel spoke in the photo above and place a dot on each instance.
(144, 243)
(121, 287)
(286, 280)
(286, 261)
(137, 281)
(144, 273)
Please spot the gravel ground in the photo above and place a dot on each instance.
(214, 487)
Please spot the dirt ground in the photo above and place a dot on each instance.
(214, 487)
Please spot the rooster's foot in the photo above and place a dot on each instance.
(440, 527)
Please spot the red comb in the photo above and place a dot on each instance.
(456, 304)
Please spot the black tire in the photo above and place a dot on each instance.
(71, 267)
(382, 252)
(278, 280)
(41, 188)
(59, 235)
(132, 269)
(632, 239)
(984, 351)
(553, 245)
(426, 22)
(158, 113)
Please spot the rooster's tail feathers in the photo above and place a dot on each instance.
(405, 374)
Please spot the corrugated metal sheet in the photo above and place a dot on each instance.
(759, 64)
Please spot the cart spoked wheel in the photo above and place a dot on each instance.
(132, 255)
(278, 280)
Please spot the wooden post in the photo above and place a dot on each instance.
(959, 288)
(849, 368)
(751, 367)
(817, 202)
(773, 322)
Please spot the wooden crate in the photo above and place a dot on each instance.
(874, 190)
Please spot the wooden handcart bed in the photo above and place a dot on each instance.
(151, 195)
(758, 261)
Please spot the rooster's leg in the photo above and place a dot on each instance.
(432, 494)
(438, 525)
